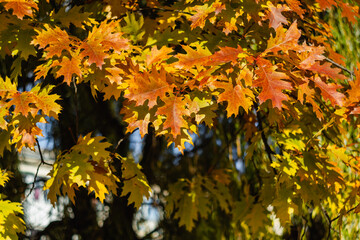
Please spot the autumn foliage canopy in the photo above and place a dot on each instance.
(175, 68)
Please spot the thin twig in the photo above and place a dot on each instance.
(41, 156)
(76, 108)
(42, 161)
(352, 74)
(33, 184)
(120, 141)
(164, 10)
(264, 139)
(350, 210)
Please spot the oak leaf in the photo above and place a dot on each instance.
(53, 40)
(295, 5)
(224, 55)
(135, 182)
(284, 40)
(230, 26)
(101, 40)
(199, 18)
(68, 67)
(22, 103)
(235, 96)
(148, 86)
(348, 11)
(275, 16)
(327, 70)
(20, 8)
(329, 92)
(157, 55)
(193, 57)
(85, 163)
(175, 109)
(271, 82)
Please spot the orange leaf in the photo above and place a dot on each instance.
(295, 6)
(324, 4)
(174, 110)
(52, 40)
(101, 40)
(230, 26)
(20, 8)
(236, 96)
(157, 56)
(22, 103)
(350, 12)
(200, 56)
(328, 91)
(94, 51)
(199, 18)
(271, 82)
(135, 123)
(311, 55)
(148, 86)
(68, 68)
(285, 40)
(226, 54)
(327, 70)
(275, 16)
(47, 102)
(354, 92)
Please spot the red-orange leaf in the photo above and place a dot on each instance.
(329, 92)
(174, 110)
(20, 8)
(354, 92)
(148, 86)
(224, 55)
(94, 51)
(295, 6)
(327, 70)
(324, 4)
(311, 55)
(275, 16)
(350, 12)
(271, 82)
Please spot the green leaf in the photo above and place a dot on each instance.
(75, 16)
(133, 28)
(24, 37)
(135, 182)
(84, 165)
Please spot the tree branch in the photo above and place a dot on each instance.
(42, 161)
(76, 109)
(264, 139)
(33, 184)
(350, 210)
(352, 74)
